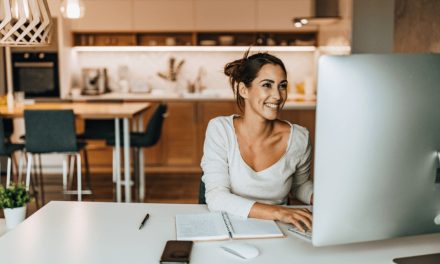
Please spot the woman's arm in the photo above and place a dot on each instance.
(302, 186)
(216, 173)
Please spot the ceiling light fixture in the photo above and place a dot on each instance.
(25, 23)
(72, 9)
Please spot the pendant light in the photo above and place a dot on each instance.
(25, 23)
(72, 9)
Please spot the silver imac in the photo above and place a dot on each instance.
(377, 140)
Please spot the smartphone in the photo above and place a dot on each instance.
(176, 252)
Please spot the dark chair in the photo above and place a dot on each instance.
(7, 149)
(53, 131)
(202, 190)
(139, 140)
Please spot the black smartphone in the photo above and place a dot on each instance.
(176, 252)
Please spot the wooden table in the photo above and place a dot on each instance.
(116, 111)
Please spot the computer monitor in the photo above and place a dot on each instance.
(376, 148)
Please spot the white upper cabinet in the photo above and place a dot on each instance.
(163, 15)
(225, 15)
(105, 15)
(278, 14)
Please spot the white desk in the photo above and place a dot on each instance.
(74, 232)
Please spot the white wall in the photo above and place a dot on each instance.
(144, 66)
(373, 26)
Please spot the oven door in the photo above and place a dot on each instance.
(36, 74)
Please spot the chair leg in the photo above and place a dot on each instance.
(28, 178)
(8, 172)
(20, 165)
(78, 171)
(65, 173)
(118, 178)
(28, 170)
(140, 157)
(135, 175)
(71, 166)
(40, 169)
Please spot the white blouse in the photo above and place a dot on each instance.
(233, 186)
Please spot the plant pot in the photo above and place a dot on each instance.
(14, 216)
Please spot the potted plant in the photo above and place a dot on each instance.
(13, 200)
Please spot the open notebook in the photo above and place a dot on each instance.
(221, 226)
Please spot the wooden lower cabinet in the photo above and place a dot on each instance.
(180, 135)
(180, 147)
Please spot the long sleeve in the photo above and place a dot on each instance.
(302, 187)
(216, 173)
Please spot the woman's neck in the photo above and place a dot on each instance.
(255, 127)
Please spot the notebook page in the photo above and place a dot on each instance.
(253, 228)
(204, 226)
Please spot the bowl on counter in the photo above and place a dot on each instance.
(208, 42)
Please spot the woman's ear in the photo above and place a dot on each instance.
(243, 90)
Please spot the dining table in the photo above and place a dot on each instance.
(96, 110)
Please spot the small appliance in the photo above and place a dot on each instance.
(94, 81)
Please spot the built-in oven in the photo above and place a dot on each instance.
(36, 74)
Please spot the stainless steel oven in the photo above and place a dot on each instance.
(36, 73)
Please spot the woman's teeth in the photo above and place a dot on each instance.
(273, 106)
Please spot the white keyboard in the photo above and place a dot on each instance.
(307, 234)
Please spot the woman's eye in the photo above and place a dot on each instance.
(267, 85)
(283, 86)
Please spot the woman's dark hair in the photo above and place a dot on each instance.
(245, 70)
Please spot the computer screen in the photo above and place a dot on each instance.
(376, 147)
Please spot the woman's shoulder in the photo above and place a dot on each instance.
(221, 121)
(221, 124)
(297, 133)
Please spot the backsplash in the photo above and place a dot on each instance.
(141, 68)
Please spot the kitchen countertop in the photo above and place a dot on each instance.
(137, 97)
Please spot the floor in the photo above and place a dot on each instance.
(160, 188)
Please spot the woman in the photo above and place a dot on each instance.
(252, 162)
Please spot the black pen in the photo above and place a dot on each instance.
(144, 220)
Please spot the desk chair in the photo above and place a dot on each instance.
(53, 131)
(202, 190)
(139, 140)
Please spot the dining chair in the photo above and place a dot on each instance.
(140, 140)
(8, 149)
(53, 131)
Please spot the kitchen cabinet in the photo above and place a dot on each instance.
(224, 15)
(163, 15)
(180, 134)
(278, 14)
(190, 15)
(105, 15)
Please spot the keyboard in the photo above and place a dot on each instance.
(307, 234)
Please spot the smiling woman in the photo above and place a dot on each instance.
(252, 162)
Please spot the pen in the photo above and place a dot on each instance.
(144, 220)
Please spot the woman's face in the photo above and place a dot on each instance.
(268, 92)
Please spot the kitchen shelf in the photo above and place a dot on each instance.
(223, 38)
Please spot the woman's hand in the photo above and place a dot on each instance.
(299, 217)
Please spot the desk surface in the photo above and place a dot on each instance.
(84, 110)
(74, 232)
